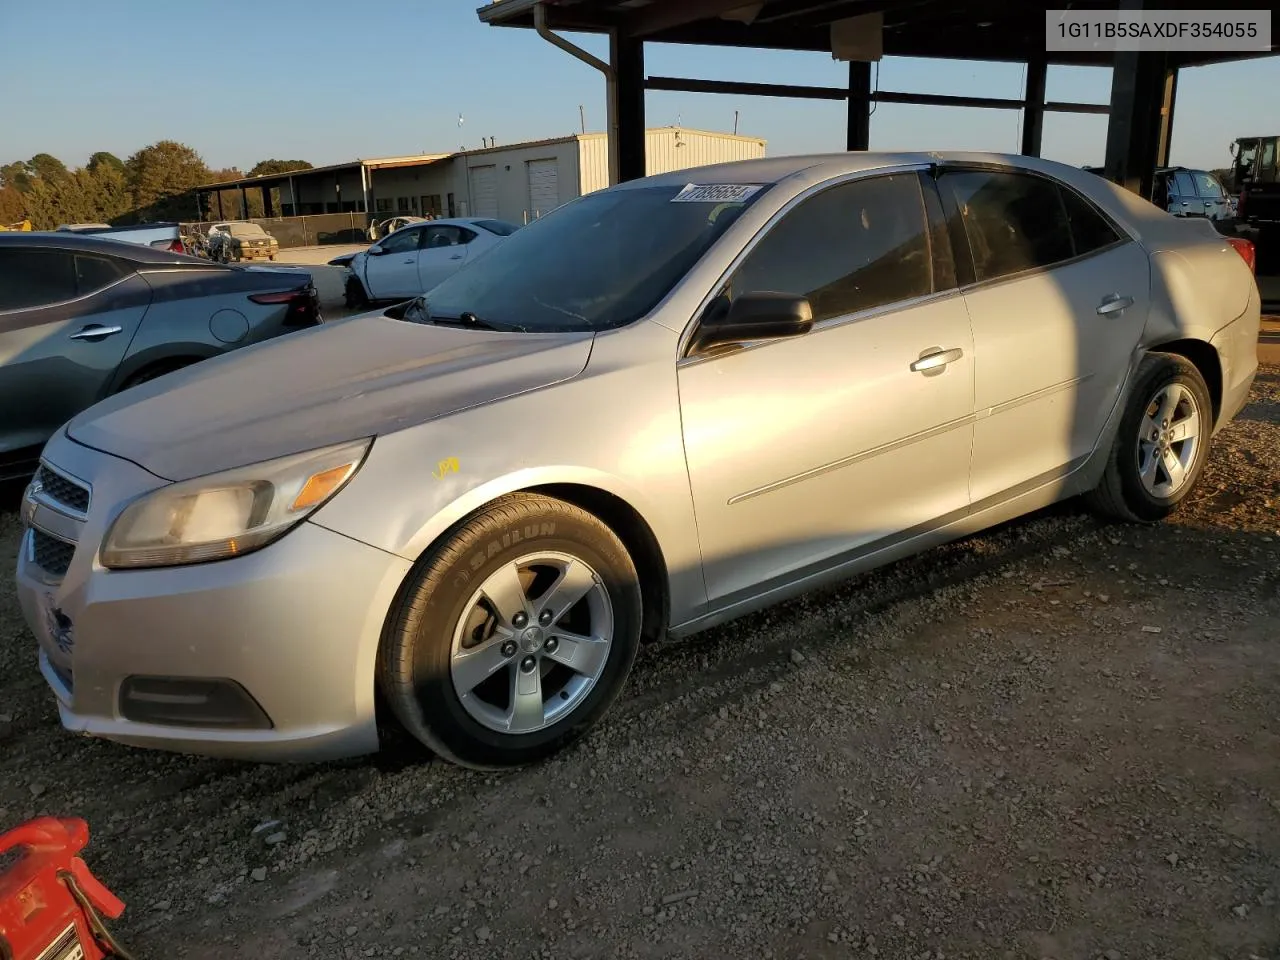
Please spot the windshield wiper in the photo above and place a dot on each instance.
(465, 319)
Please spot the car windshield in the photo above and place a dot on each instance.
(246, 230)
(598, 262)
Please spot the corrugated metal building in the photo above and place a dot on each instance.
(519, 182)
(525, 180)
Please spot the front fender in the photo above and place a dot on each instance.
(615, 428)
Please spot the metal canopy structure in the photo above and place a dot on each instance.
(1143, 85)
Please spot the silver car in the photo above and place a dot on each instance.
(659, 407)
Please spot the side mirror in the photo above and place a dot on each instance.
(375, 251)
(763, 315)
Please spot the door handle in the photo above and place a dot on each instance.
(938, 358)
(1114, 304)
(95, 332)
(410, 260)
(456, 256)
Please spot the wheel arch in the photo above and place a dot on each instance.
(636, 535)
(615, 510)
(1204, 357)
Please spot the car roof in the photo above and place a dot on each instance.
(820, 166)
(89, 243)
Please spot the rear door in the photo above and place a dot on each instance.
(393, 271)
(444, 249)
(1058, 295)
(1212, 198)
(66, 319)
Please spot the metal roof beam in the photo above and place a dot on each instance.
(663, 15)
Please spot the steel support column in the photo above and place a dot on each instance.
(1033, 107)
(268, 207)
(1168, 95)
(626, 57)
(858, 131)
(244, 204)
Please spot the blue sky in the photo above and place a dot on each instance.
(328, 81)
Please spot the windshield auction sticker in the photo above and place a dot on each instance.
(715, 192)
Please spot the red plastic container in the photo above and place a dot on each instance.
(51, 906)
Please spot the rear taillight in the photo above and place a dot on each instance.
(178, 246)
(304, 305)
(283, 296)
(1247, 252)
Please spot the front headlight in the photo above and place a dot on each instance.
(231, 513)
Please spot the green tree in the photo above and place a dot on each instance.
(103, 159)
(161, 178)
(46, 166)
(13, 205)
(264, 167)
(15, 175)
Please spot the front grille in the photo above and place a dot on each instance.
(67, 492)
(51, 554)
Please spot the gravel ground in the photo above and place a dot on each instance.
(1054, 740)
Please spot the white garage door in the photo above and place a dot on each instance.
(544, 187)
(484, 191)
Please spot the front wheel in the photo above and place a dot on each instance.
(356, 297)
(511, 639)
(1161, 446)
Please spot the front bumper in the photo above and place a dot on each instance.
(295, 624)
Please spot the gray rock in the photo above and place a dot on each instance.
(259, 874)
(276, 838)
(797, 657)
(1240, 910)
(37, 789)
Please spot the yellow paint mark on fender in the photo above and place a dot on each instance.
(445, 467)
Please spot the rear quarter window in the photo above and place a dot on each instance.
(34, 277)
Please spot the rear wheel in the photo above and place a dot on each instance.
(1163, 441)
(512, 639)
(157, 370)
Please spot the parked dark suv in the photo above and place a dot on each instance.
(83, 317)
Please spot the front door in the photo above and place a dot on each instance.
(1058, 300)
(393, 271)
(802, 452)
(66, 320)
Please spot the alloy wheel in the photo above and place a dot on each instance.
(1168, 440)
(531, 643)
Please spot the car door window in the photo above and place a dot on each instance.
(1183, 184)
(442, 236)
(1208, 186)
(1090, 229)
(94, 273)
(1013, 221)
(402, 242)
(31, 278)
(852, 247)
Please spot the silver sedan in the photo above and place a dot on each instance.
(659, 407)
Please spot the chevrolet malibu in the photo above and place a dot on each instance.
(662, 406)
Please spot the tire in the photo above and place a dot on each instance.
(156, 370)
(444, 634)
(1127, 492)
(356, 298)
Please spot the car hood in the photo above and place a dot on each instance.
(358, 377)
